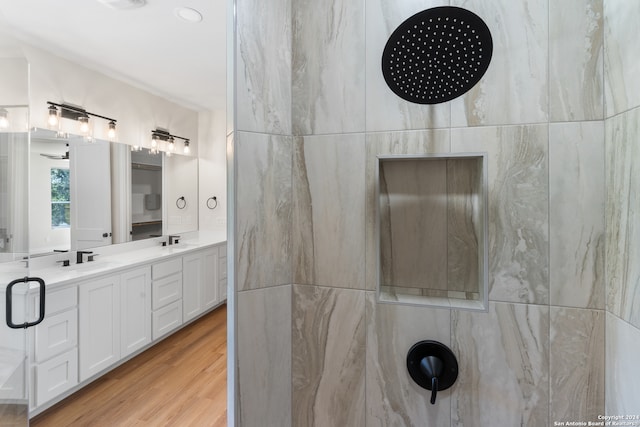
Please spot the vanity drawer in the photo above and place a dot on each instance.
(165, 291)
(56, 334)
(57, 301)
(56, 376)
(167, 319)
(166, 268)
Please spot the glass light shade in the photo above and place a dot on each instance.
(172, 144)
(53, 117)
(4, 119)
(84, 124)
(186, 149)
(111, 133)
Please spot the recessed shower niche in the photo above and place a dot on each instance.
(431, 214)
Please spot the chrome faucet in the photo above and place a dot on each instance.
(173, 239)
(79, 254)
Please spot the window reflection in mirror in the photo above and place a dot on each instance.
(60, 205)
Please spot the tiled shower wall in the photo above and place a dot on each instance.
(622, 157)
(313, 111)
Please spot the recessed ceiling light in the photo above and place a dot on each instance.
(188, 14)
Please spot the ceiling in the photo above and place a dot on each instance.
(148, 47)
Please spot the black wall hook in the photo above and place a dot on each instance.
(433, 366)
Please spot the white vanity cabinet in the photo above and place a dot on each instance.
(199, 282)
(55, 345)
(167, 296)
(135, 310)
(114, 318)
(99, 325)
(93, 324)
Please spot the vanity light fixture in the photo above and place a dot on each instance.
(53, 116)
(159, 135)
(84, 124)
(79, 114)
(4, 118)
(111, 133)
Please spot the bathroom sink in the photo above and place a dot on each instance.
(180, 246)
(93, 265)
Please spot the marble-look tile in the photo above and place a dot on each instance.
(621, 53)
(328, 62)
(518, 208)
(263, 66)
(328, 363)
(413, 224)
(514, 89)
(385, 111)
(263, 210)
(622, 370)
(503, 359)
(391, 143)
(464, 236)
(622, 247)
(576, 364)
(576, 60)
(328, 216)
(393, 398)
(263, 334)
(576, 215)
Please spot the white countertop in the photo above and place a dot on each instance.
(109, 259)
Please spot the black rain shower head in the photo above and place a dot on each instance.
(437, 55)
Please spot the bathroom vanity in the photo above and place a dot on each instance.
(102, 313)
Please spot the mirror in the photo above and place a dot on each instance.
(86, 193)
(14, 148)
(14, 158)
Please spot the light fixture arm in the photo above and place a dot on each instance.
(164, 135)
(76, 112)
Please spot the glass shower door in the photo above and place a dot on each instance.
(15, 288)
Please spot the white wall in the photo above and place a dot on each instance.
(180, 174)
(137, 112)
(212, 170)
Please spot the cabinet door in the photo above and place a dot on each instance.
(135, 310)
(99, 325)
(56, 376)
(210, 278)
(191, 286)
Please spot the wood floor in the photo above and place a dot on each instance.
(182, 381)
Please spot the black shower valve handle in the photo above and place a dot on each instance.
(434, 389)
(433, 366)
